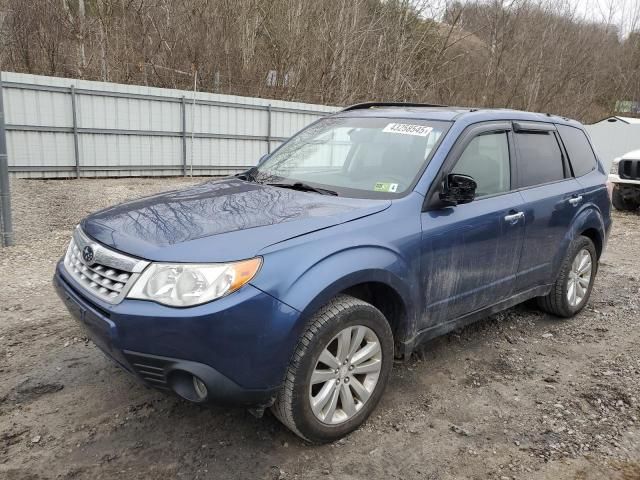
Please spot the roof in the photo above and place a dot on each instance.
(450, 114)
(615, 119)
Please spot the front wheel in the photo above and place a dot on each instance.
(572, 288)
(338, 372)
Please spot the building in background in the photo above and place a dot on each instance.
(614, 136)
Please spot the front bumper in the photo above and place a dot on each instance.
(613, 178)
(239, 345)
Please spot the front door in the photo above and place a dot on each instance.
(470, 252)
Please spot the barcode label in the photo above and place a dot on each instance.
(408, 129)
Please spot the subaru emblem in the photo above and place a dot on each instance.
(88, 255)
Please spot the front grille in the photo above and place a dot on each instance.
(103, 280)
(108, 275)
(629, 169)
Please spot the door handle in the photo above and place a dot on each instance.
(575, 200)
(514, 217)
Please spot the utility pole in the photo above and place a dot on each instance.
(6, 230)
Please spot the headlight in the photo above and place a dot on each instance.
(614, 167)
(184, 285)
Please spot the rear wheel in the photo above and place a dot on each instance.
(621, 203)
(572, 288)
(338, 372)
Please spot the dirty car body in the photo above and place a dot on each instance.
(397, 234)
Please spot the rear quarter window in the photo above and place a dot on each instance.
(581, 155)
(539, 158)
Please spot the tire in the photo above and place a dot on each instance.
(293, 405)
(622, 203)
(558, 302)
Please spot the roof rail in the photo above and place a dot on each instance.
(362, 106)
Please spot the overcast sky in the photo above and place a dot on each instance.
(624, 13)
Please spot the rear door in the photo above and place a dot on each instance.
(585, 168)
(551, 196)
(470, 252)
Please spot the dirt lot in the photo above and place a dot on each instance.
(517, 396)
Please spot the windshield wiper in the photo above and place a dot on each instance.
(304, 187)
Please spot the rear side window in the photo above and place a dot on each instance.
(539, 158)
(581, 155)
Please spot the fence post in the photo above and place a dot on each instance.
(269, 128)
(183, 112)
(76, 150)
(6, 232)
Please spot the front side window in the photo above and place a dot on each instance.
(357, 157)
(486, 159)
(539, 158)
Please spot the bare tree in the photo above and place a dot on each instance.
(530, 54)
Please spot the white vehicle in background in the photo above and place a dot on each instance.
(624, 178)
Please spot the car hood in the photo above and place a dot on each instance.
(219, 221)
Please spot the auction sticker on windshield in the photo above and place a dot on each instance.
(408, 129)
(385, 187)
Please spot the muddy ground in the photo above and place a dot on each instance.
(520, 395)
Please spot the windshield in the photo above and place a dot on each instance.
(355, 157)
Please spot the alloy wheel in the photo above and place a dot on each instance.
(345, 375)
(579, 277)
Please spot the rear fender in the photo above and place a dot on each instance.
(588, 218)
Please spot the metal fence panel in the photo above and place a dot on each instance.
(126, 150)
(54, 151)
(127, 114)
(28, 107)
(58, 127)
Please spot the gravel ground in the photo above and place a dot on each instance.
(520, 395)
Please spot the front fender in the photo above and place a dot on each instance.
(307, 271)
(307, 289)
(345, 269)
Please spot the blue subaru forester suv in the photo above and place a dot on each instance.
(294, 284)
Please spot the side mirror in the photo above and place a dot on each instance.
(458, 189)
